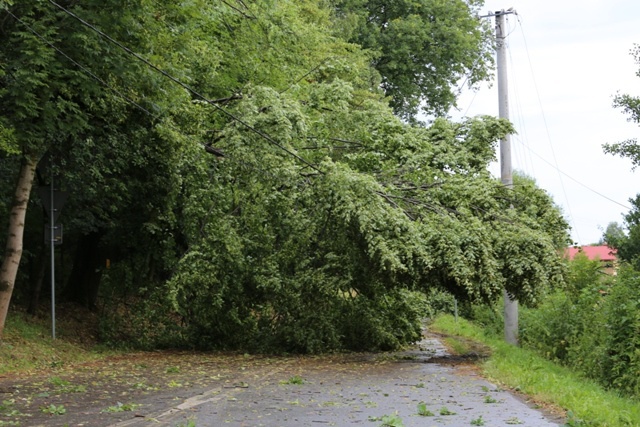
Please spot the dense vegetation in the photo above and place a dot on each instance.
(592, 322)
(585, 402)
(240, 174)
(590, 325)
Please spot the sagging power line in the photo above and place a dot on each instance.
(258, 132)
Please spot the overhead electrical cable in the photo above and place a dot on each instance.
(575, 180)
(128, 99)
(258, 132)
(470, 103)
(546, 126)
(526, 162)
(433, 207)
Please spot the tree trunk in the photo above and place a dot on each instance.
(13, 250)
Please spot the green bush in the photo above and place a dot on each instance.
(438, 301)
(557, 328)
(143, 322)
(592, 326)
(490, 317)
(621, 332)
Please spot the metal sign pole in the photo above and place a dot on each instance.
(53, 263)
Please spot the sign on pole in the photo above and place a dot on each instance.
(52, 201)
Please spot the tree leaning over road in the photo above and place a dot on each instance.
(321, 216)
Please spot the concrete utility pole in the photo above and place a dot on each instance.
(510, 305)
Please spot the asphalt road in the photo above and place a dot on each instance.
(415, 388)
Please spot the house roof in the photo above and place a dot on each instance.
(601, 252)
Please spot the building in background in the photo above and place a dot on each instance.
(603, 253)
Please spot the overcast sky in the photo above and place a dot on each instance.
(566, 60)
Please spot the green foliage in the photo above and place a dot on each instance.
(630, 106)
(280, 261)
(54, 409)
(295, 380)
(591, 326)
(445, 411)
(546, 381)
(122, 407)
(391, 421)
(488, 316)
(7, 140)
(627, 244)
(422, 48)
(559, 327)
(620, 338)
(490, 399)
(139, 320)
(573, 421)
(437, 301)
(327, 219)
(7, 409)
(423, 411)
(64, 386)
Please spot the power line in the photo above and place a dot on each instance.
(555, 166)
(432, 207)
(573, 179)
(546, 126)
(231, 158)
(186, 87)
(83, 68)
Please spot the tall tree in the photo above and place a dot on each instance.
(66, 89)
(325, 210)
(39, 107)
(626, 238)
(422, 49)
(627, 244)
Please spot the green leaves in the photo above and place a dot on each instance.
(423, 48)
(322, 211)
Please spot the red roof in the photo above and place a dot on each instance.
(603, 252)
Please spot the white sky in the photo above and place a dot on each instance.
(566, 60)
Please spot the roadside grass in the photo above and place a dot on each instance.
(586, 403)
(27, 345)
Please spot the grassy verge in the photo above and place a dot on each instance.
(27, 345)
(586, 403)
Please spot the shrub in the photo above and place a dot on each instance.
(621, 361)
(592, 326)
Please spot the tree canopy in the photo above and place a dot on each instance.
(424, 50)
(242, 169)
(627, 244)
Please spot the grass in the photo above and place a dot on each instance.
(27, 345)
(295, 380)
(587, 403)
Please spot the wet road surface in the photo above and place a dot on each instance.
(404, 388)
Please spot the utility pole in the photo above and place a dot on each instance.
(506, 176)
